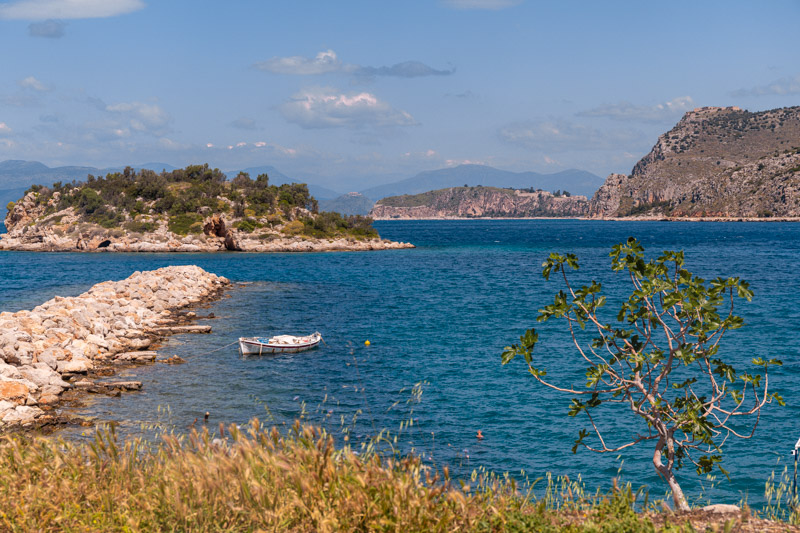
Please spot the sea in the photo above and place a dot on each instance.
(413, 343)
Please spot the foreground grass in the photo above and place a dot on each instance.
(265, 480)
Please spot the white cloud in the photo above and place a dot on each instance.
(783, 86)
(32, 83)
(322, 63)
(481, 4)
(457, 162)
(67, 9)
(328, 62)
(143, 117)
(4, 129)
(563, 135)
(629, 112)
(326, 108)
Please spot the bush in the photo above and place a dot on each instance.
(10, 205)
(185, 223)
(295, 227)
(141, 227)
(247, 225)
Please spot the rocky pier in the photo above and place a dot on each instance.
(61, 344)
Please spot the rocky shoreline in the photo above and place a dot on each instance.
(62, 345)
(174, 243)
(618, 219)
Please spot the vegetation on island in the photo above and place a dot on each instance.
(658, 360)
(182, 198)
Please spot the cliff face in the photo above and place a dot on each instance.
(472, 202)
(716, 162)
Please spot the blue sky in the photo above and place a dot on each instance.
(360, 93)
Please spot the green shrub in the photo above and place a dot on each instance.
(247, 225)
(140, 227)
(185, 223)
(10, 205)
(295, 227)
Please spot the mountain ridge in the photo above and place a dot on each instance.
(716, 162)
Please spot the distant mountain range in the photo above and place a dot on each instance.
(575, 181)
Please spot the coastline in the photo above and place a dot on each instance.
(191, 244)
(69, 346)
(608, 219)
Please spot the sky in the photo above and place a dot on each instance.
(360, 93)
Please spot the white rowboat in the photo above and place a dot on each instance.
(278, 344)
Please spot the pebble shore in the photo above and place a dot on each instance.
(52, 349)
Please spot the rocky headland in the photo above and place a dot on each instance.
(720, 163)
(480, 202)
(188, 210)
(66, 343)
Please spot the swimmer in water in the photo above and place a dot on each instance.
(480, 435)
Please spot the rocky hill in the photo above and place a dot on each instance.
(716, 162)
(476, 202)
(195, 209)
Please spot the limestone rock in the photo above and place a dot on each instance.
(715, 163)
(65, 337)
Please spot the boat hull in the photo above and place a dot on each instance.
(254, 347)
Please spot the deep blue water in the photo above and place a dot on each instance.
(441, 314)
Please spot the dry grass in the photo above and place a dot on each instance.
(262, 480)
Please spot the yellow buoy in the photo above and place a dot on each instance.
(366, 343)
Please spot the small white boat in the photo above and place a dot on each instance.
(278, 344)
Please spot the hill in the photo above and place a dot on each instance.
(352, 203)
(575, 181)
(716, 162)
(474, 202)
(191, 209)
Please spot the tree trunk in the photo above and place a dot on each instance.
(665, 471)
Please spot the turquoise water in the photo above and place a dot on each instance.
(441, 314)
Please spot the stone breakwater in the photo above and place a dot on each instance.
(50, 349)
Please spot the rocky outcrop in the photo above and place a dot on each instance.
(44, 350)
(715, 163)
(479, 202)
(31, 229)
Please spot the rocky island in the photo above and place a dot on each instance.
(480, 202)
(716, 163)
(60, 345)
(195, 209)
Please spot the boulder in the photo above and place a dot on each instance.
(13, 391)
